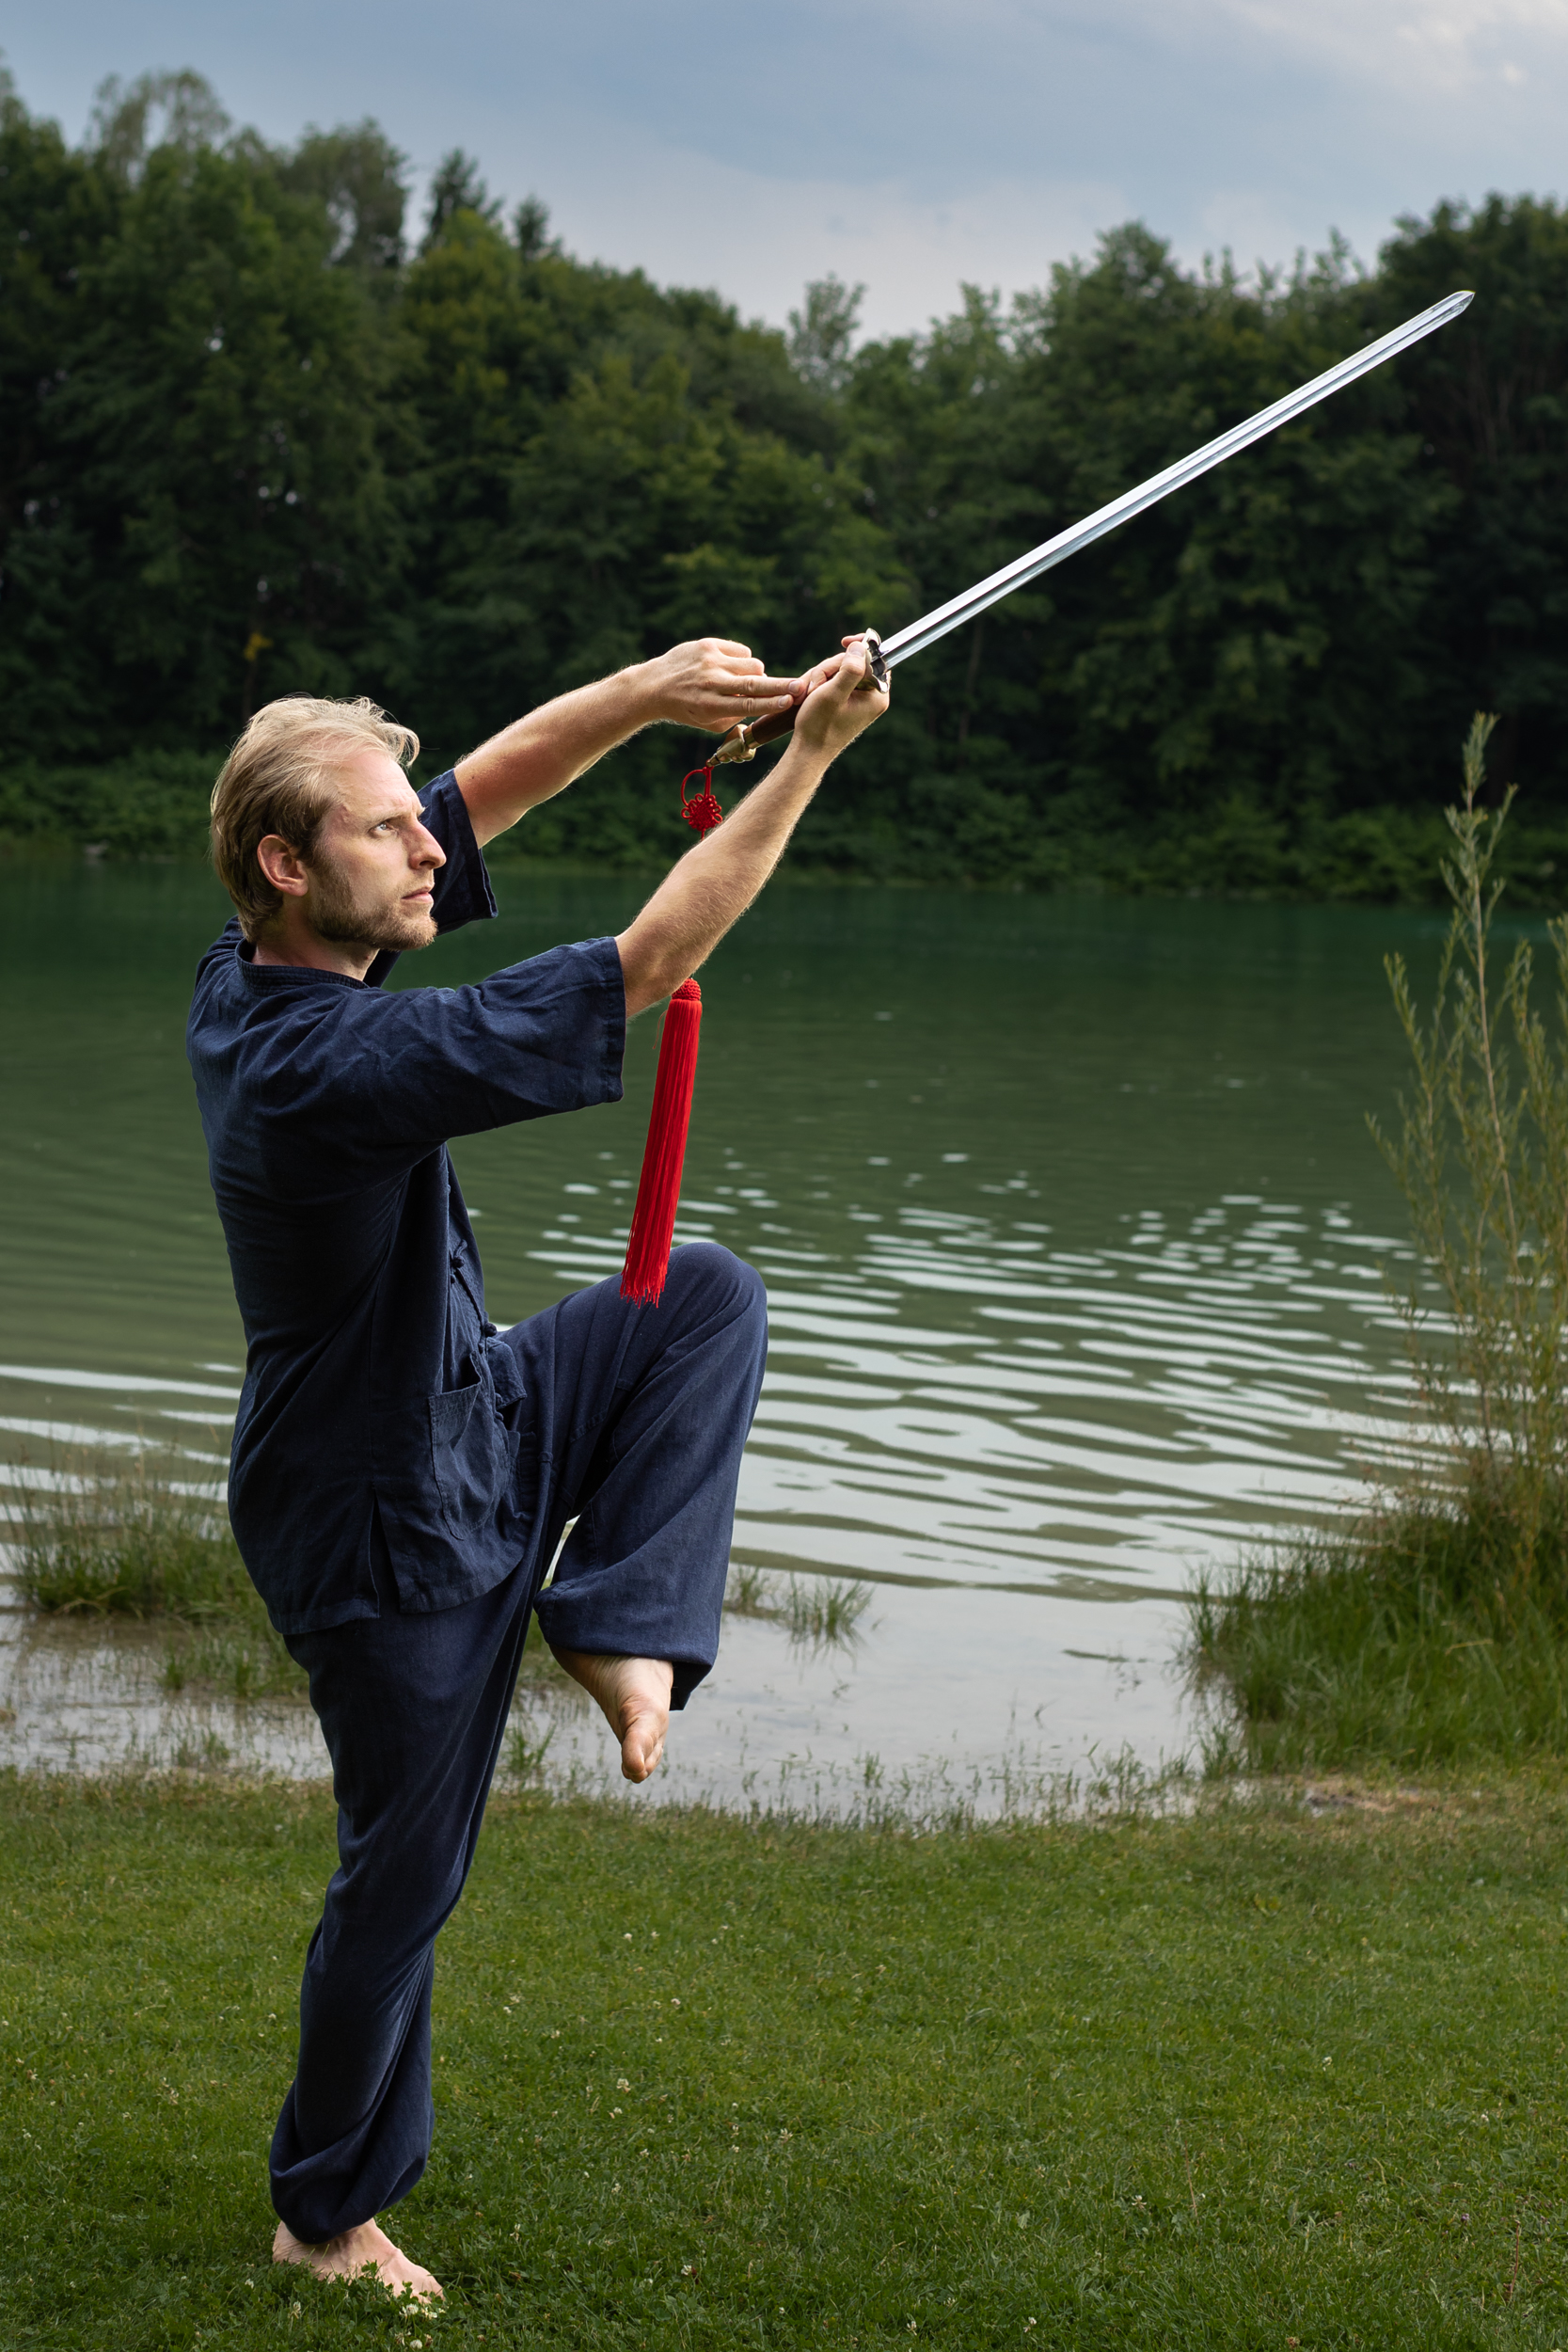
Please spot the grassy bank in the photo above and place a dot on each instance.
(1216, 2082)
(1410, 1642)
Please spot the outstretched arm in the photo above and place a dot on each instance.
(715, 883)
(710, 683)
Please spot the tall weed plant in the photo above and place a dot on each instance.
(1481, 1158)
(1434, 1628)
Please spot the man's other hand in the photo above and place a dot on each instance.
(841, 700)
(714, 684)
(694, 906)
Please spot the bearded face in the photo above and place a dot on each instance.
(362, 911)
(367, 885)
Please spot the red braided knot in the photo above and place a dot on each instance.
(702, 811)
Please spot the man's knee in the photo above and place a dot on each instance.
(705, 1276)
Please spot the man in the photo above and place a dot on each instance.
(401, 1470)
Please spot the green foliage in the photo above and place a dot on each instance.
(250, 443)
(183, 106)
(1488, 409)
(822, 333)
(1193, 2085)
(205, 472)
(359, 176)
(154, 804)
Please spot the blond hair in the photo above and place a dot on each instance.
(278, 778)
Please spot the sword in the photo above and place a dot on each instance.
(746, 740)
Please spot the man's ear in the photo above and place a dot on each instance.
(282, 864)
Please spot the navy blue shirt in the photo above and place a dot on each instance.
(373, 1375)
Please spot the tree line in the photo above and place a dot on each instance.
(257, 437)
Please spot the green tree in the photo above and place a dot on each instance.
(1488, 402)
(822, 332)
(218, 515)
(55, 214)
(607, 466)
(250, 442)
(457, 187)
(360, 178)
(156, 110)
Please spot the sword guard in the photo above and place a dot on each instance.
(750, 737)
(742, 745)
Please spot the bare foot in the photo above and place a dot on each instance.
(634, 1693)
(366, 2247)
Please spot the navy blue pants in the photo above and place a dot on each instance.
(634, 1423)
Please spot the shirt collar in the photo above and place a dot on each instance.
(307, 975)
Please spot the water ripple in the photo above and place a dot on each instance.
(1121, 1415)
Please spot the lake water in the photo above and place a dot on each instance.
(1075, 1245)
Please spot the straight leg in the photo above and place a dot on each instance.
(633, 1421)
(413, 1708)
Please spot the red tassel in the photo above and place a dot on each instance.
(658, 1191)
(653, 1220)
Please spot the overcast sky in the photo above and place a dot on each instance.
(908, 143)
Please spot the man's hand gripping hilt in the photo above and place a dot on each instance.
(748, 739)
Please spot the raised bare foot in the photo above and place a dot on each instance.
(366, 2247)
(634, 1693)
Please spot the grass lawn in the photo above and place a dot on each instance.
(1257, 2080)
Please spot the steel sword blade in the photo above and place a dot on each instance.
(959, 608)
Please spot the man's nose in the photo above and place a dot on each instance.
(427, 850)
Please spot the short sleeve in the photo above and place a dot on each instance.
(348, 1084)
(462, 892)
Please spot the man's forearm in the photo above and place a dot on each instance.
(538, 755)
(715, 883)
(711, 683)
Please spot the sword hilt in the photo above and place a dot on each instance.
(748, 738)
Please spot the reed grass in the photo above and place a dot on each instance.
(249, 1665)
(1380, 1648)
(105, 1537)
(749, 1592)
(1481, 1158)
(822, 1612)
(1434, 1628)
(108, 1538)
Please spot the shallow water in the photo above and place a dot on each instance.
(1075, 1245)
